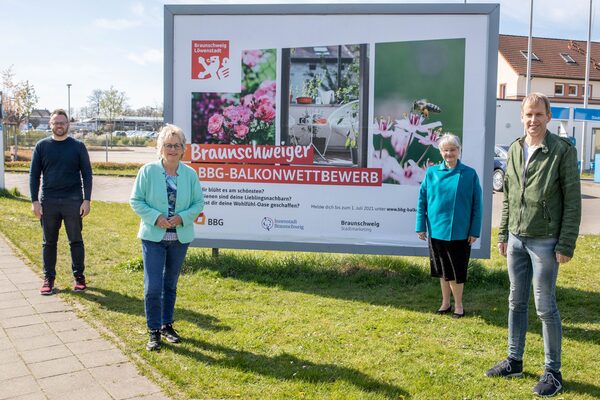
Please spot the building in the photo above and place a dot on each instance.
(557, 70)
(121, 123)
(39, 119)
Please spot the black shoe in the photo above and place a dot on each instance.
(153, 340)
(549, 385)
(170, 334)
(457, 315)
(508, 368)
(446, 311)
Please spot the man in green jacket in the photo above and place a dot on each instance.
(540, 223)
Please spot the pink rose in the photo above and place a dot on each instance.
(241, 131)
(263, 100)
(247, 100)
(265, 112)
(238, 114)
(215, 123)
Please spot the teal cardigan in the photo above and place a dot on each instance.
(149, 201)
(449, 205)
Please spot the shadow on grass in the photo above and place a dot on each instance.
(394, 282)
(118, 302)
(582, 388)
(286, 367)
(13, 194)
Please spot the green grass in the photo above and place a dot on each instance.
(99, 168)
(285, 325)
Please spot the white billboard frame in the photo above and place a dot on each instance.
(486, 14)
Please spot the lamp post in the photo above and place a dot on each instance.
(69, 100)
(586, 91)
(529, 45)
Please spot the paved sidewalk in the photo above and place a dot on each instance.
(46, 352)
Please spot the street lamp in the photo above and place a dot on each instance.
(69, 100)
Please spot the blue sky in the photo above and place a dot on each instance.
(119, 43)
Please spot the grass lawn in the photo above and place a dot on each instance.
(283, 325)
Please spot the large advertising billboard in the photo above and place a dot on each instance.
(311, 126)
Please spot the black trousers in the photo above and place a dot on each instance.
(54, 213)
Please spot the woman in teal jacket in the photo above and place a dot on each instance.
(168, 198)
(449, 208)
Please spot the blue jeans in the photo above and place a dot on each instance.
(162, 264)
(533, 261)
(55, 211)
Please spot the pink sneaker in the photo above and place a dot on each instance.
(47, 287)
(79, 285)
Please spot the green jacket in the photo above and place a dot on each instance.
(149, 201)
(545, 200)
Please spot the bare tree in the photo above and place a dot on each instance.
(35, 122)
(112, 104)
(93, 103)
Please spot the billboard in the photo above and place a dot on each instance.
(310, 134)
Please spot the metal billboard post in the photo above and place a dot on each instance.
(1, 144)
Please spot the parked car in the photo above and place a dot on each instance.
(120, 133)
(500, 157)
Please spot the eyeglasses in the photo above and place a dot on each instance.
(176, 146)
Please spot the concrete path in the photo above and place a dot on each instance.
(106, 188)
(127, 155)
(47, 352)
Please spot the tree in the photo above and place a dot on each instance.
(19, 99)
(35, 122)
(94, 102)
(112, 104)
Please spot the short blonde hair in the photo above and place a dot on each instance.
(450, 139)
(537, 98)
(166, 132)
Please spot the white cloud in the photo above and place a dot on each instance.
(116, 24)
(151, 56)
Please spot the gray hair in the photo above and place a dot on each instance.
(537, 98)
(166, 132)
(450, 139)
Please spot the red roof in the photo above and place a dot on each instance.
(550, 64)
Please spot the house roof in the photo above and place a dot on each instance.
(551, 64)
(40, 114)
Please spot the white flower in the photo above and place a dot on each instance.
(389, 165)
(413, 123)
(411, 174)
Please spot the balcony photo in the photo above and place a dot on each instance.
(324, 86)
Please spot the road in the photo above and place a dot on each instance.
(116, 189)
(128, 155)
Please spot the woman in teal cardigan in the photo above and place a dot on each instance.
(449, 208)
(168, 198)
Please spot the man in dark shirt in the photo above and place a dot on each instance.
(64, 165)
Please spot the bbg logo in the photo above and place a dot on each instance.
(203, 220)
(215, 221)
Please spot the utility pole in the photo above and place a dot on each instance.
(586, 91)
(529, 51)
(69, 100)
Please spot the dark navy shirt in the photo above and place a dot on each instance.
(65, 169)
